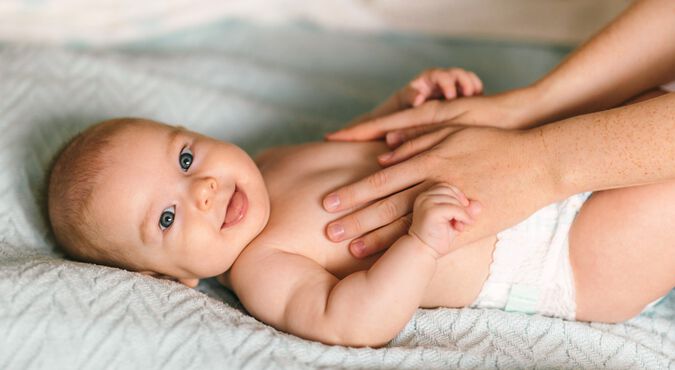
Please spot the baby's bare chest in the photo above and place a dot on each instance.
(297, 180)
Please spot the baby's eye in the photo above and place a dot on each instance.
(185, 159)
(167, 217)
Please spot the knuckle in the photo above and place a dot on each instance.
(408, 146)
(378, 179)
(346, 195)
(356, 225)
(372, 242)
(388, 210)
(429, 161)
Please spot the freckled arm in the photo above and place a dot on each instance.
(621, 147)
(632, 54)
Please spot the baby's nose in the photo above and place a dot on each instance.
(204, 190)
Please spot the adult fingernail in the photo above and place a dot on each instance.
(335, 231)
(385, 157)
(331, 202)
(358, 247)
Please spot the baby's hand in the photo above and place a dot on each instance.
(438, 83)
(438, 215)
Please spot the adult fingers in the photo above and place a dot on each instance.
(396, 138)
(413, 147)
(374, 216)
(377, 185)
(380, 239)
(427, 113)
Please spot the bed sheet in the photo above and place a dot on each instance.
(256, 86)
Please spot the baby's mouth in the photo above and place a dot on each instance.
(236, 209)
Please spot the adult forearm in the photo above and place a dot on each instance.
(622, 147)
(632, 54)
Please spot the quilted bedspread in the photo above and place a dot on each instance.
(256, 86)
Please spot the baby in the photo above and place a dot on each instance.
(171, 203)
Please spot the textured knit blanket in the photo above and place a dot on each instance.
(257, 87)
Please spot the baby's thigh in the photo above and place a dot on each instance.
(622, 250)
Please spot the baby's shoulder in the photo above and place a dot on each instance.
(260, 262)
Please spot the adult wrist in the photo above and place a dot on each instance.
(525, 107)
(545, 180)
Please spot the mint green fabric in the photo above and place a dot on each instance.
(522, 298)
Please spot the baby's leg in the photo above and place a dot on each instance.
(622, 250)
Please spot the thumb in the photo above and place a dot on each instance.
(474, 208)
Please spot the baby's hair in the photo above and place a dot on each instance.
(73, 177)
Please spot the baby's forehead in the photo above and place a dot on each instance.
(132, 172)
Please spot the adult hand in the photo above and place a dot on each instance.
(506, 171)
(513, 109)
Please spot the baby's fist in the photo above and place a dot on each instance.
(438, 215)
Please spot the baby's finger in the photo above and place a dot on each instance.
(452, 211)
(447, 83)
(458, 225)
(451, 191)
(422, 85)
(465, 82)
(442, 188)
(443, 199)
(477, 83)
(474, 207)
(418, 100)
(459, 195)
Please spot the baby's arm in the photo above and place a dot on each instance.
(367, 308)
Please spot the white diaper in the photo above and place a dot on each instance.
(531, 270)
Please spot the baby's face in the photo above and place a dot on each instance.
(178, 203)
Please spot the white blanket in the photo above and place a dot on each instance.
(257, 87)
